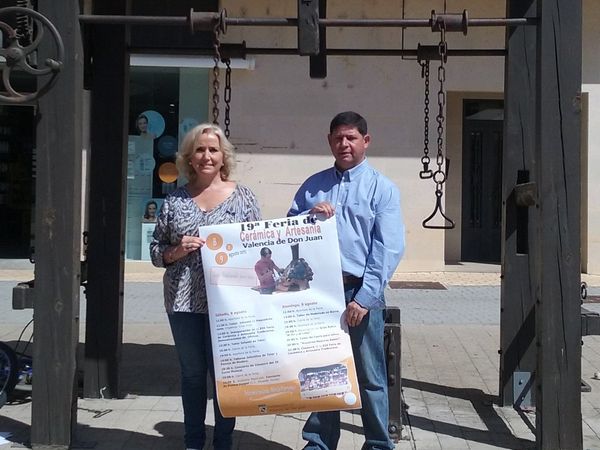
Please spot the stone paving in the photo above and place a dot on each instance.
(450, 340)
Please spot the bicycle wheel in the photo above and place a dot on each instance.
(8, 369)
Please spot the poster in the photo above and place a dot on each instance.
(140, 167)
(276, 303)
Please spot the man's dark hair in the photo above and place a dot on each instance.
(265, 251)
(349, 118)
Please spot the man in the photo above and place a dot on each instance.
(371, 238)
(265, 271)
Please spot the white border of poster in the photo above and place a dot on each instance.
(284, 348)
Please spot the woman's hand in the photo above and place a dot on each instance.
(187, 245)
(190, 244)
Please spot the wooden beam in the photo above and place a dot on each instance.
(106, 223)
(308, 27)
(517, 317)
(557, 252)
(318, 63)
(58, 237)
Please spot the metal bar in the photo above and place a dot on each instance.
(509, 22)
(133, 20)
(261, 22)
(414, 23)
(293, 22)
(375, 52)
(239, 51)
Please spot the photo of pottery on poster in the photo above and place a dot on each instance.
(276, 305)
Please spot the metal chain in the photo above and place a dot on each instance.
(425, 160)
(24, 24)
(439, 176)
(216, 73)
(227, 96)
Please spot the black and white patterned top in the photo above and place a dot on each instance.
(184, 287)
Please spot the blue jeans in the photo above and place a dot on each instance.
(322, 429)
(191, 333)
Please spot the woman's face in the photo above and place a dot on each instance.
(152, 210)
(142, 124)
(207, 158)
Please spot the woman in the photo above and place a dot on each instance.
(150, 211)
(210, 197)
(141, 123)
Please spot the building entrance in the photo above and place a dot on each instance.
(482, 181)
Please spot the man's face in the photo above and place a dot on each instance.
(348, 146)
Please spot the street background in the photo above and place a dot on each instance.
(450, 342)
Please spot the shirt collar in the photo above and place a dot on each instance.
(353, 173)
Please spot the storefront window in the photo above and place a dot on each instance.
(165, 103)
(17, 180)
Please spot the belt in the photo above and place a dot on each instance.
(351, 280)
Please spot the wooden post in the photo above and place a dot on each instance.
(557, 253)
(308, 27)
(517, 311)
(58, 237)
(106, 224)
(318, 63)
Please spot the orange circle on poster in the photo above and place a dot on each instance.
(229, 247)
(221, 258)
(214, 241)
(167, 172)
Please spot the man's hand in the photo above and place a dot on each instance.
(355, 313)
(324, 208)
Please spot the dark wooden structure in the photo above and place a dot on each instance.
(540, 330)
(58, 239)
(540, 315)
(109, 82)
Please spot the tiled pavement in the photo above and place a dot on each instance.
(449, 369)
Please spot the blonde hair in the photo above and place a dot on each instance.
(187, 150)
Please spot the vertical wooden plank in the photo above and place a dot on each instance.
(318, 63)
(108, 137)
(308, 27)
(57, 237)
(557, 174)
(517, 317)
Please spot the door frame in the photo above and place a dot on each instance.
(454, 152)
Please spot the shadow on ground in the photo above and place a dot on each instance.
(150, 369)
(170, 437)
(146, 369)
(496, 433)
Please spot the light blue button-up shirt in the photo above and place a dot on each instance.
(369, 223)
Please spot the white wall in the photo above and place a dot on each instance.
(591, 139)
(591, 241)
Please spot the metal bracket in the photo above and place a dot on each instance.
(450, 22)
(526, 194)
(522, 383)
